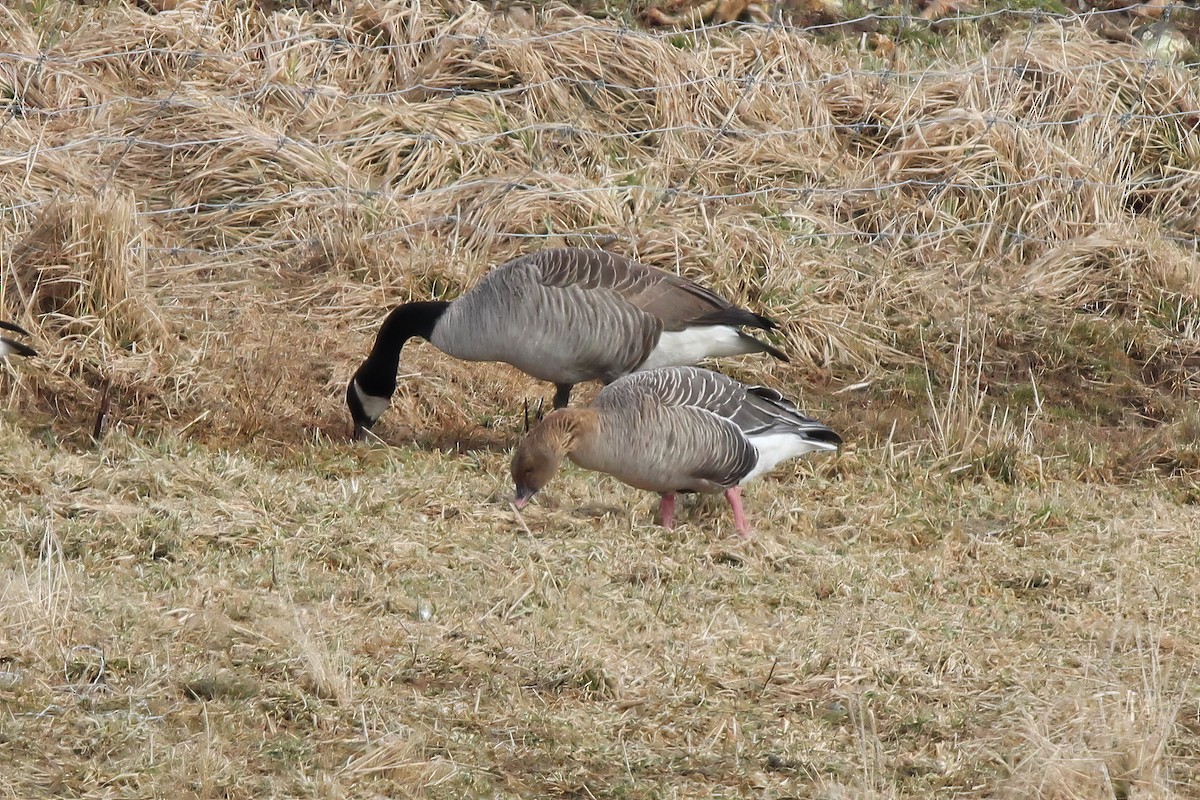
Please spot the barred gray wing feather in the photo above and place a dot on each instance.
(675, 301)
(602, 334)
(677, 387)
(705, 447)
(677, 422)
(658, 447)
(755, 410)
(567, 333)
(768, 411)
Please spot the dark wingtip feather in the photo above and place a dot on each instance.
(826, 435)
(736, 316)
(776, 352)
(767, 393)
(18, 348)
(14, 327)
(767, 348)
(766, 323)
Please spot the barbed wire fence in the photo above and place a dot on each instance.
(225, 148)
(42, 126)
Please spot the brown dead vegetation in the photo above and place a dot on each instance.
(299, 171)
(985, 258)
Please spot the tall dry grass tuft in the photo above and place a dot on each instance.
(36, 602)
(83, 270)
(1111, 744)
(402, 758)
(325, 669)
(81, 275)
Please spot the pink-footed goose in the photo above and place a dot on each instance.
(678, 429)
(563, 315)
(10, 346)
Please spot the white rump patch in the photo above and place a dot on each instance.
(692, 345)
(775, 448)
(372, 405)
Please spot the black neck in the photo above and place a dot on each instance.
(377, 375)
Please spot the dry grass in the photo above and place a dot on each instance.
(985, 255)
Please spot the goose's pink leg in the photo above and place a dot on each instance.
(734, 496)
(666, 509)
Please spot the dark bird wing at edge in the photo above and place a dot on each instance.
(11, 346)
(14, 327)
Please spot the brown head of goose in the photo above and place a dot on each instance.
(563, 315)
(10, 346)
(680, 429)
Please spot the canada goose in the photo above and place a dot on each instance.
(678, 429)
(9, 346)
(564, 315)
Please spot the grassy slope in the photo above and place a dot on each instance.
(991, 593)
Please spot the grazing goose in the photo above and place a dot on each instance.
(679, 429)
(564, 315)
(9, 346)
